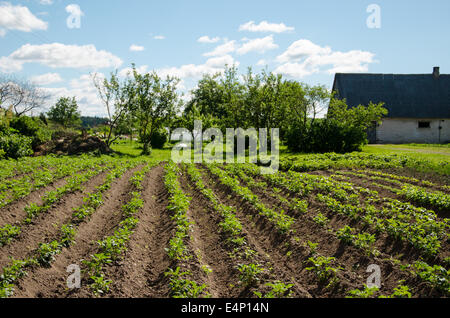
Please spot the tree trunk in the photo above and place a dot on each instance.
(146, 150)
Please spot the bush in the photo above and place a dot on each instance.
(31, 127)
(326, 135)
(15, 146)
(159, 139)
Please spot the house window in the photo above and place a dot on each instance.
(424, 124)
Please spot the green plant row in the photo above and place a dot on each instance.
(358, 160)
(46, 252)
(50, 198)
(111, 248)
(391, 177)
(249, 272)
(19, 188)
(10, 168)
(296, 205)
(415, 194)
(230, 226)
(281, 220)
(181, 286)
(401, 220)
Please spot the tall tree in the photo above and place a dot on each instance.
(65, 112)
(116, 96)
(154, 102)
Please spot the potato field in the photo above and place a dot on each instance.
(137, 227)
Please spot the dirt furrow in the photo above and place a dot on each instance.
(141, 273)
(51, 282)
(14, 212)
(354, 261)
(45, 227)
(264, 237)
(207, 244)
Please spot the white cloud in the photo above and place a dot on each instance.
(296, 70)
(207, 39)
(46, 79)
(262, 62)
(19, 18)
(129, 71)
(300, 49)
(265, 26)
(304, 58)
(159, 37)
(2, 33)
(223, 49)
(46, 2)
(74, 9)
(260, 45)
(136, 48)
(211, 66)
(57, 55)
(85, 93)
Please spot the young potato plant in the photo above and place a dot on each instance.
(360, 240)
(182, 287)
(277, 290)
(282, 221)
(11, 274)
(249, 274)
(111, 248)
(321, 266)
(179, 205)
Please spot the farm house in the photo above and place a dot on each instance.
(418, 104)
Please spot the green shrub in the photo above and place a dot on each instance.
(159, 139)
(326, 135)
(31, 127)
(15, 146)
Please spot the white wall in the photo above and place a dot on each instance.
(395, 130)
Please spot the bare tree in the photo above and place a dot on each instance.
(20, 95)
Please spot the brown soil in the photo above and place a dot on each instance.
(46, 226)
(140, 272)
(73, 145)
(51, 282)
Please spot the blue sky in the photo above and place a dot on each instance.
(303, 40)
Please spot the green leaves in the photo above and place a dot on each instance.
(182, 287)
(321, 267)
(7, 233)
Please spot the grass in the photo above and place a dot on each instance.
(431, 152)
(436, 155)
(133, 149)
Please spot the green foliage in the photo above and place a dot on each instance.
(324, 272)
(47, 252)
(7, 233)
(159, 139)
(154, 102)
(16, 145)
(31, 127)
(182, 287)
(367, 292)
(277, 290)
(65, 112)
(249, 273)
(321, 219)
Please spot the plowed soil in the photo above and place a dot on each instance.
(140, 270)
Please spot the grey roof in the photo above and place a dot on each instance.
(405, 96)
